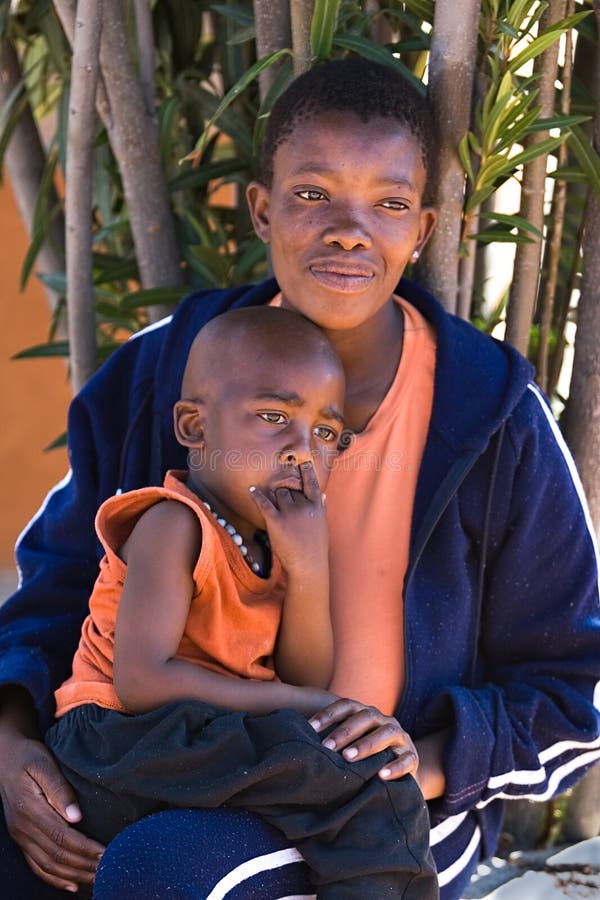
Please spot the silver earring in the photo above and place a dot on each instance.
(415, 255)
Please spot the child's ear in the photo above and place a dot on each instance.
(257, 196)
(188, 423)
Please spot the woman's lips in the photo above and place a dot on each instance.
(341, 278)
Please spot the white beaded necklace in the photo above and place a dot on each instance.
(235, 537)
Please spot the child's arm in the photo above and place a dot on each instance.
(298, 533)
(161, 554)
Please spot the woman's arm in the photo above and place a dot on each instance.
(161, 555)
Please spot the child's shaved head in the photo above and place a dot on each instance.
(368, 89)
(242, 336)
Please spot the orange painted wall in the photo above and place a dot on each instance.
(35, 393)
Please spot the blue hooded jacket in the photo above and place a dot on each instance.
(502, 627)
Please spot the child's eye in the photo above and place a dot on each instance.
(324, 433)
(394, 205)
(310, 194)
(273, 418)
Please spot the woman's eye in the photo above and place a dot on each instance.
(311, 195)
(394, 204)
(273, 418)
(325, 434)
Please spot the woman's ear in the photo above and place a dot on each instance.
(427, 223)
(188, 423)
(258, 196)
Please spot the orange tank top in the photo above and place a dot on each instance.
(234, 614)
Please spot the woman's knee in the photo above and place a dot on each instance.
(188, 854)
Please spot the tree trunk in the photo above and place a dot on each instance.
(24, 162)
(451, 73)
(301, 18)
(528, 256)
(80, 140)
(272, 22)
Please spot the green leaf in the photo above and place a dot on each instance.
(49, 349)
(512, 220)
(558, 121)
(153, 297)
(38, 237)
(167, 115)
(252, 73)
(370, 50)
(11, 113)
(587, 157)
(43, 215)
(252, 255)
(569, 173)
(322, 28)
(56, 281)
(464, 153)
(239, 14)
(200, 177)
(541, 43)
(57, 443)
(499, 236)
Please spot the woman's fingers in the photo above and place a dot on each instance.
(362, 731)
(39, 804)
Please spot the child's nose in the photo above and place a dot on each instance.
(297, 451)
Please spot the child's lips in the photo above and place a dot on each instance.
(291, 482)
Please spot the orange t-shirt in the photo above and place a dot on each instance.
(234, 614)
(370, 499)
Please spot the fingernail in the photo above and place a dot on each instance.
(385, 773)
(351, 753)
(73, 814)
(72, 888)
(314, 723)
(329, 744)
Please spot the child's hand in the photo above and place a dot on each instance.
(296, 523)
(363, 731)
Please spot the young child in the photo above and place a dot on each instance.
(209, 640)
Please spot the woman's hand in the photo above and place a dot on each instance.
(39, 806)
(363, 731)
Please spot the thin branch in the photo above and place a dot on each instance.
(526, 276)
(80, 140)
(24, 162)
(558, 214)
(145, 42)
(451, 74)
(301, 17)
(273, 31)
(582, 415)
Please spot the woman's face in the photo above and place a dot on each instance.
(342, 216)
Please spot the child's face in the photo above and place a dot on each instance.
(343, 215)
(261, 425)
